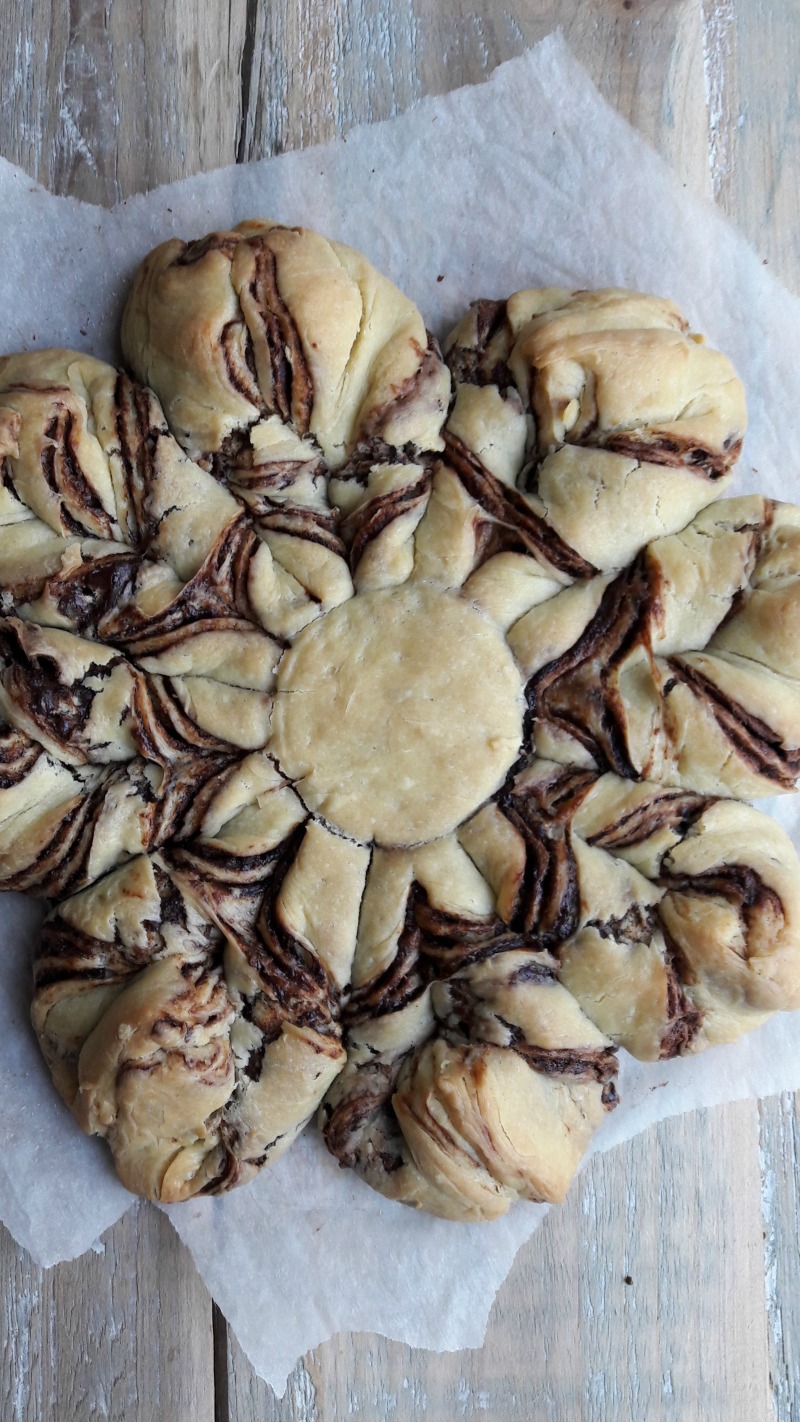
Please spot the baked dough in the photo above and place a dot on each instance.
(385, 749)
(418, 685)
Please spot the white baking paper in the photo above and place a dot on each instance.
(526, 180)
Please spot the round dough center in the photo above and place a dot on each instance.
(397, 714)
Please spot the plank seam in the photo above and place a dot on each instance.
(246, 76)
(219, 1330)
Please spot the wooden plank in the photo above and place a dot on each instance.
(780, 1171)
(754, 151)
(317, 70)
(103, 100)
(676, 1213)
(754, 93)
(123, 1332)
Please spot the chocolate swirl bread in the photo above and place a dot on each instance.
(188, 1003)
(278, 354)
(381, 747)
(572, 914)
(649, 635)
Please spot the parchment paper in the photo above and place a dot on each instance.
(528, 179)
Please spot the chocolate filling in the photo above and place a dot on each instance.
(754, 741)
(506, 506)
(480, 358)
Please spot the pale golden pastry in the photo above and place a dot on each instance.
(176, 1042)
(385, 745)
(615, 422)
(271, 345)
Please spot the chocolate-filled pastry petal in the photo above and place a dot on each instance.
(442, 989)
(725, 720)
(187, 1052)
(381, 518)
(63, 827)
(618, 424)
(619, 370)
(763, 623)
(733, 726)
(706, 948)
(281, 322)
(486, 1129)
(732, 912)
(73, 696)
(134, 1020)
(63, 582)
(80, 443)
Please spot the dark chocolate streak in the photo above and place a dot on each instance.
(33, 682)
(266, 491)
(684, 1020)
(293, 387)
(294, 985)
(585, 1064)
(406, 394)
(481, 358)
(161, 728)
(7, 483)
(66, 954)
(57, 868)
(235, 454)
(670, 450)
(636, 925)
(236, 346)
(83, 595)
(508, 510)
(375, 451)
(18, 755)
(361, 1130)
(577, 691)
(754, 741)
(139, 424)
(368, 522)
(403, 980)
(472, 1019)
(673, 810)
(298, 522)
(557, 796)
(80, 509)
(225, 242)
(216, 599)
(432, 946)
(548, 900)
(739, 884)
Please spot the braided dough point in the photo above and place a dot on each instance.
(267, 320)
(618, 423)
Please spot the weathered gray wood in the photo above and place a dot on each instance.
(102, 100)
(676, 1212)
(752, 74)
(122, 1333)
(754, 150)
(316, 70)
(780, 1171)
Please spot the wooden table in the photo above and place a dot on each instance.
(667, 1286)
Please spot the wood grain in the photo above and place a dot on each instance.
(676, 1212)
(122, 1333)
(103, 100)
